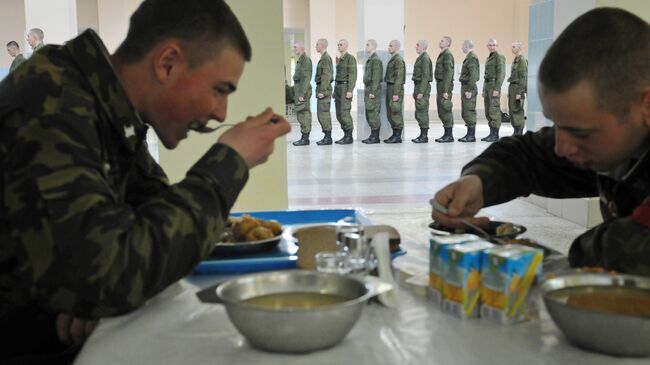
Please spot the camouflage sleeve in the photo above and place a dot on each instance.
(448, 74)
(522, 83)
(474, 72)
(524, 165)
(375, 83)
(501, 72)
(87, 251)
(425, 68)
(400, 78)
(621, 244)
(304, 82)
(352, 73)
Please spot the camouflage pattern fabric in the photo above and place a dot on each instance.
(372, 75)
(302, 87)
(444, 74)
(518, 85)
(469, 76)
(495, 73)
(16, 62)
(621, 242)
(346, 79)
(395, 78)
(323, 80)
(89, 224)
(422, 77)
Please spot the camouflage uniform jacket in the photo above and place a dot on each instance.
(621, 242)
(444, 72)
(302, 78)
(89, 224)
(323, 77)
(469, 73)
(16, 62)
(422, 73)
(396, 74)
(519, 74)
(373, 73)
(495, 69)
(346, 71)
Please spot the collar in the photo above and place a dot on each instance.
(631, 165)
(92, 58)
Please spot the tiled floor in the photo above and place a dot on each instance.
(393, 183)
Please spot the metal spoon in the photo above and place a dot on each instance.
(205, 129)
(439, 207)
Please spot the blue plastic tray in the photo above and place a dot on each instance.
(284, 255)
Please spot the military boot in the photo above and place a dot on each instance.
(489, 135)
(303, 141)
(327, 139)
(493, 137)
(424, 136)
(373, 138)
(447, 137)
(518, 131)
(347, 137)
(396, 137)
(469, 137)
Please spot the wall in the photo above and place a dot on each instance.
(346, 27)
(87, 15)
(57, 19)
(12, 28)
(638, 7)
(261, 85)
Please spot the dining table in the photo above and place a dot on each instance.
(178, 327)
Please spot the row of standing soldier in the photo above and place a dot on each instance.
(423, 75)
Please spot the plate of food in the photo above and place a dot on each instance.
(495, 229)
(247, 234)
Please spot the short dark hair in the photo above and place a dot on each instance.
(607, 47)
(13, 44)
(205, 26)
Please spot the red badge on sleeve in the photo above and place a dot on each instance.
(641, 214)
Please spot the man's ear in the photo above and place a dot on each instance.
(645, 106)
(168, 60)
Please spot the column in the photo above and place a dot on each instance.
(57, 19)
(372, 24)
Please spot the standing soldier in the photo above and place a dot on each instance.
(346, 78)
(495, 72)
(395, 78)
(517, 89)
(323, 80)
(469, 75)
(372, 75)
(444, 86)
(302, 92)
(14, 51)
(422, 77)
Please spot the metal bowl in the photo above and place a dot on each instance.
(289, 329)
(600, 331)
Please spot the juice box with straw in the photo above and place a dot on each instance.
(461, 279)
(507, 273)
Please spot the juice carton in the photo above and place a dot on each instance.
(506, 277)
(461, 278)
(438, 246)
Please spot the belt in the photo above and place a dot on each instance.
(389, 83)
(341, 82)
(490, 79)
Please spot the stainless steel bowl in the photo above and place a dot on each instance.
(610, 333)
(295, 329)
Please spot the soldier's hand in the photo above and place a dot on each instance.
(348, 95)
(463, 198)
(253, 139)
(468, 94)
(445, 96)
(419, 96)
(395, 97)
(495, 93)
(320, 95)
(518, 97)
(371, 96)
(73, 331)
